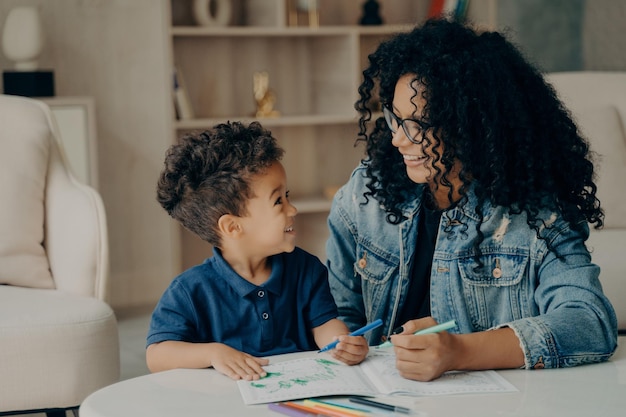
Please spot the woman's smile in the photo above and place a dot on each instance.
(414, 160)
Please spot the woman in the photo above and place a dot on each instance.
(472, 205)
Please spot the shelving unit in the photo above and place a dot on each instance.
(314, 73)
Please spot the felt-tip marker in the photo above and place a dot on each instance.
(359, 332)
(382, 406)
(429, 330)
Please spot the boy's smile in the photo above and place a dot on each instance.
(268, 225)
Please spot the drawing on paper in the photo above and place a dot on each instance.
(277, 380)
(311, 377)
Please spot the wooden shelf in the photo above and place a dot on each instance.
(293, 121)
(253, 31)
(314, 74)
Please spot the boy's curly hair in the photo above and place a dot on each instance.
(207, 174)
(491, 110)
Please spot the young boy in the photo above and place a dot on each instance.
(258, 295)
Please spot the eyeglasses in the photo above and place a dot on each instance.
(413, 129)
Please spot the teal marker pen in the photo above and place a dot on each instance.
(429, 330)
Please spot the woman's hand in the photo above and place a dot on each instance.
(426, 357)
(423, 357)
(235, 364)
(351, 350)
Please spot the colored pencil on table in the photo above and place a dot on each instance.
(326, 412)
(289, 411)
(345, 411)
(336, 404)
(300, 407)
(383, 406)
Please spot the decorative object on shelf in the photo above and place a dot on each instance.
(371, 13)
(306, 10)
(212, 12)
(264, 96)
(22, 42)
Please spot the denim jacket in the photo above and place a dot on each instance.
(556, 307)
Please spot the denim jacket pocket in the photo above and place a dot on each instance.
(497, 292)
(377, 270)
(373, 266)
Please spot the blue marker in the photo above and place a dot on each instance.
(359, 332)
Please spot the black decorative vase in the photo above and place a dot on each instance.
(371, 14)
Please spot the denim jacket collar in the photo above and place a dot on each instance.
(463, 210)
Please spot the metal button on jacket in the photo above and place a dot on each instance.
(497, 272)
(363, 262)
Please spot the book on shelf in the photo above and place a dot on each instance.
(436, 8)
(182, 104)
(451, 9)
(319, 375)
(460, 12)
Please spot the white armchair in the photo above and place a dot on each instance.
(58, 336)
(598, 102)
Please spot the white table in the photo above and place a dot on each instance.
(584, 391)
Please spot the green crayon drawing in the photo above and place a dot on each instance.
(279, 379)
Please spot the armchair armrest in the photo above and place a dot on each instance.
(75, 228)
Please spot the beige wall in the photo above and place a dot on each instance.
(604, 41)
(115, 51)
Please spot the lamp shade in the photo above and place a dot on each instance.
(22, 38)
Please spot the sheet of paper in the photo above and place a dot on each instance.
(319, 376)
(305, 378)
(381, 370)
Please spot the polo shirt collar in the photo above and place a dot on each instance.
(243, 287)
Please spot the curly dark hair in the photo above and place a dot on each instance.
(207, 174)
(493, 111)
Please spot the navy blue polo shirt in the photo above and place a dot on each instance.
(212, 303)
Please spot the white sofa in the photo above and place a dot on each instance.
(58, 336)
(598, 102)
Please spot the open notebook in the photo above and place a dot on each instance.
(319, 375)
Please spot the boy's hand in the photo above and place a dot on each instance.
(236, 364)
(350, 349)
